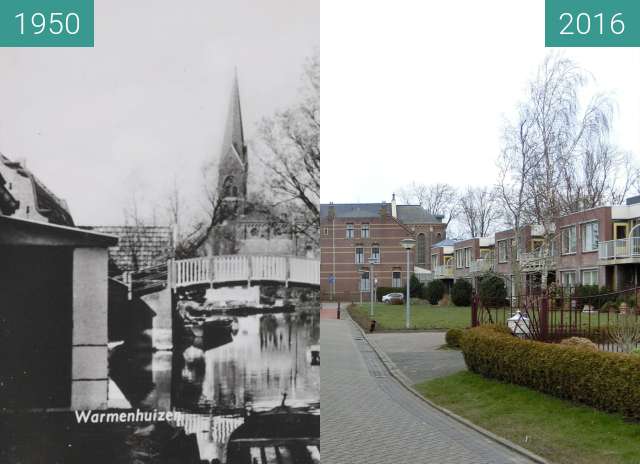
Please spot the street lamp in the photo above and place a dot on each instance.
(408, 244)
(372, 262)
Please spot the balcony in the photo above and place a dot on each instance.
(536, 260)
(482, 265)
(626, 249)
(443, 272)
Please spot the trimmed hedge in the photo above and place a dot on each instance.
(606, 381)
(453, 337)
(461, 292)
(434, 291)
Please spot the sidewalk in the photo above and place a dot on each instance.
(368, 417)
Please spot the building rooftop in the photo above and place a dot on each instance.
(406, 214)
(444, 243)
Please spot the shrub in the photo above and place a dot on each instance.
(579, 342)
(415, 286)
(606, 381)
(492, 290)
(434, 291)
(452, 337)
(461, 293)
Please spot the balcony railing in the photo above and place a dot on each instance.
(443, 272)
(482, 265)
(621, 248)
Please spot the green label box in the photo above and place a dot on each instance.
(592, 23)
(46, 23)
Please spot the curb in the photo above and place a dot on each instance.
(407, 384)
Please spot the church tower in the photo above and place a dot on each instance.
(233, 168)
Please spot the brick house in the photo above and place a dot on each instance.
(352, 234)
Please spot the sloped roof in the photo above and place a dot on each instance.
(444, 243)
(354, 210)
(47, 203)
(416, 214)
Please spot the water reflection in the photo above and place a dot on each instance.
(228, 376)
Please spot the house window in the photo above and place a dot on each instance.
(568, 236)
(459, 259)
(350, 233)
(421, 245)
(396, 279)
(434, 261)
(359, 255)
(568, 279)
(467, 257)
(364, 231)
(590, 277)
(365, 284)
(590, 236)
(502, 251)
(326, 231)
(375, 254)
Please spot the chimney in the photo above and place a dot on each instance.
(394, 209)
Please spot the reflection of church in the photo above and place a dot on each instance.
(246, 228)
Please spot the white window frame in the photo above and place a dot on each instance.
(361, 260)
(566, 234)
(590, 271)
(350, 232)
(375, 255)
(467, 257)
(364, 228)
(585, 228)
(503, 256)
(365, 282)
(567, 273)
(434, 261)
(396, 282)
(459, 258)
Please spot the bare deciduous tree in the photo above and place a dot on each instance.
(290, 146)
(436, 199)
(479, 211)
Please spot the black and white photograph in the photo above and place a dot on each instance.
(159, 239)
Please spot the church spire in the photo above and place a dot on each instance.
(234, 133)
(233, 167)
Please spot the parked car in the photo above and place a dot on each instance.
(393, 298)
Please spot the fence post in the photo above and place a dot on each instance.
(474, 310)
(544, 317)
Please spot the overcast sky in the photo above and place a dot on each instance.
(151, 98)
(419, 91)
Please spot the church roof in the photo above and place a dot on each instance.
(406, 214)
(234, 133)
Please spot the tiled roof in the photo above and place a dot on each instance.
(416, 214)
(138, 246)
(354, 210)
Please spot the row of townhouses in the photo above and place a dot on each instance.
(598, 246)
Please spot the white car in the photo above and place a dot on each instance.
(393, 298)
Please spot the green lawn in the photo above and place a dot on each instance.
(555, 429)
(391, 317)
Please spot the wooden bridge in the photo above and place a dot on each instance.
(235, 268)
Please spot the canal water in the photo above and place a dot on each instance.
(255, 364)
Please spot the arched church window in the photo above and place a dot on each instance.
(227, 186)
(420, 249)
(235, 191)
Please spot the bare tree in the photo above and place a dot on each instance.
(515, 166)
(436, 199)
(290, 146)
(479, 211)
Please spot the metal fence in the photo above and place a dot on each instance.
(560, 313)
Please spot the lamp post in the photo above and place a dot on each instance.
(372, 262)
(408, 244)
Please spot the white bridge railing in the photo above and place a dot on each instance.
(234, 268)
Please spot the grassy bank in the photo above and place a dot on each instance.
(553, 428)
(423, 317)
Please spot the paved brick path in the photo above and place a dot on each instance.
(369, 418)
